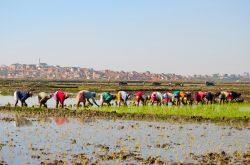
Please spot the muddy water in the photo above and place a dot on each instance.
(34, 141)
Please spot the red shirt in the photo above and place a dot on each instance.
(61, 96)
(140, 94)
(201, 94)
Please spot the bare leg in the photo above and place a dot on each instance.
(24, 104)
(78, 104)
(42, 103)
(89, 102)
(16, 103)
(137, 103)
(39, 100)
(62, 104)
(57, 103)
(178, 102)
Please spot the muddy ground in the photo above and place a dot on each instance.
(95, 140)
(91, 114)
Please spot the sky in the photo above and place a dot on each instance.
(162, 36)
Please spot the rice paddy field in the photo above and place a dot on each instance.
(198, 134)
(7, 87)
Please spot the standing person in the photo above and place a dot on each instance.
(43, 98)
(84, 95)
(122, 97)
(141, 97)
(156, 97)
(21, 96)
(107, 97)
(60, 97)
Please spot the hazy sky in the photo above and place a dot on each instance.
(177, 36)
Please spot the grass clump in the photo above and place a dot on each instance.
(204, 111)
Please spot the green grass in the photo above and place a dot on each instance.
(215, 111)
(204, 111)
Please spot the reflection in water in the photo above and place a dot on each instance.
(246, 109)
(44, 120)
(86, 120)
(62, 138)
(21, 122)
(61, 120)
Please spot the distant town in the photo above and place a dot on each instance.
(49, 72)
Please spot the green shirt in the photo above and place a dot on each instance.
(176, 93)
(107, 97)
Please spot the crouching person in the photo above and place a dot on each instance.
(141, 97)
(84, 95)
(177, 96)
(199, 97)
(167, 97)
(223, 95)
(60, 97)
(234, 96)
(156, 97)
(21, 96)
(43, 98)
(122, 97)
(106, 97)
(188, 98)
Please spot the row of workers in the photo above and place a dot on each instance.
(82, 97)
(177, 97)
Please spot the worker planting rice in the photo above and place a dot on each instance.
(210, 97)
(156, 97)
(43, 98)
(107, 97)
(141, 97)
(199, 97)
(21, 96)
(85, 96)
(60, 97)
(233, 96)
(168, 97)
(122, 98)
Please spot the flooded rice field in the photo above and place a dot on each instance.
(73, 140)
